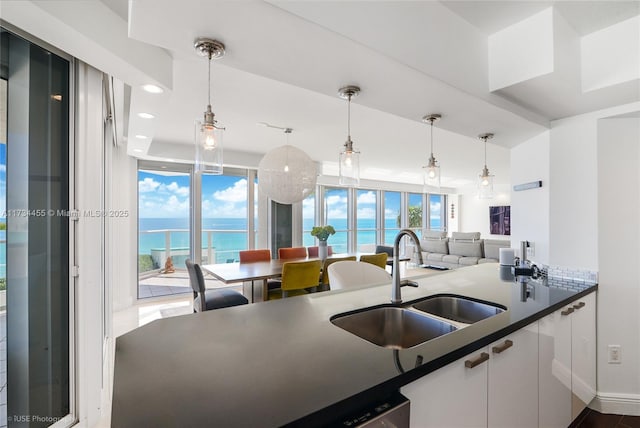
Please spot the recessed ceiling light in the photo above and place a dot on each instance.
(153, 89)
(146, 115)
(141, 137)
(137, 150)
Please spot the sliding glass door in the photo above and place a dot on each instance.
(163, 229)
(35, 186)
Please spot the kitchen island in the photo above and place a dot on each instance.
(283, 362)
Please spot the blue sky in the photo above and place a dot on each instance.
(167, 196)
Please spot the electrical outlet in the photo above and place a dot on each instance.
(531, 250)
(615, 354)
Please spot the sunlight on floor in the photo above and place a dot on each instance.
(143, 313)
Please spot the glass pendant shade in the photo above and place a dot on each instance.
(431, 175)
(485, 184)
(349, 167)
(287, 175)
(431, 172)
(208, 134)
(485, 180)
(208, 140)
(349, 159)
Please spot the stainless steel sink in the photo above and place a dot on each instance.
(457, 308)
(392, 327)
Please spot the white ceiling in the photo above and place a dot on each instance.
(286, 60)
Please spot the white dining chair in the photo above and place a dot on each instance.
(349, 274)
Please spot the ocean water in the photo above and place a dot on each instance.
(229, 235)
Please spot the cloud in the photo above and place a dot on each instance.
(366, 213)
(147, 185)
(235, 193)
(435, 207)
(158, 207)
(391, 213)
(213, 209)
(336, 199)
(178, 190)
(367, 198)
(308, 208)
(337, 213)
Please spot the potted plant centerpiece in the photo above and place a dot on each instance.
(322, 233)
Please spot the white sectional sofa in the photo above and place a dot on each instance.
(461, 249)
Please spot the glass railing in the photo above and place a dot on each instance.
(156, 246)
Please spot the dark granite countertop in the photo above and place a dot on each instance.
(283, 362)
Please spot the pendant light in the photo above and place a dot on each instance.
(432, 170)
(485, 180)
(208, 134)
(349, 166)
(286, 174)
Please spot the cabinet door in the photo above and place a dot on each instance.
(513, 380)
(583, 353)
(453, 396)
(554, 370)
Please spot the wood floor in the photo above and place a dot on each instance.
(592, 419)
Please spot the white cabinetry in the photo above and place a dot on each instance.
(513, 380)
(453, 396)
(567, 367)
(495, 386)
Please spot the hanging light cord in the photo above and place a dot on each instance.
(209, 81)
(431, 120)
(349, 118)
(485, 151)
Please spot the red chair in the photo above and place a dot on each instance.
(313, 251)
(264, 255)
(292, 253)
(248, 256)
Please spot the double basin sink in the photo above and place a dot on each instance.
(412, 323)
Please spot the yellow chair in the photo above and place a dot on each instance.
(296, 276)
(378, 259)
(324, 281)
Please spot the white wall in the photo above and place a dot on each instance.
(530, 208)
(581, 187)
(573, 177)
(474, 213)
(122, 197)
(522, 51)
(619, 255)
(602, 66)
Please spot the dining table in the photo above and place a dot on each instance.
(258, 271)
(251, 271)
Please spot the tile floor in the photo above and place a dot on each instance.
(592, 419)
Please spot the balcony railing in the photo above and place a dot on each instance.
(156, 246)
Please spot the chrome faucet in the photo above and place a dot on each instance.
(523, 268)
(395, 284)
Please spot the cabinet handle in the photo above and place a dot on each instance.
(579, 305)
(477, 361)
(506, 345)
(567, 311)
